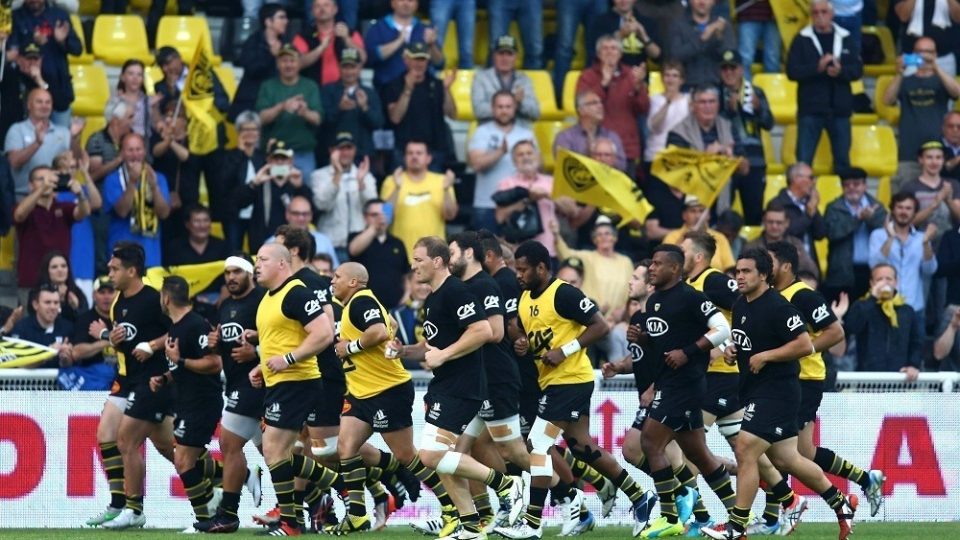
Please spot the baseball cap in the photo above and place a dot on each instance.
(279, 148)
(730, 57)
(691, 201)
(350, 56)
(417, 49)
(930, 145)
(506, 43)
(31, 50)
(344, 138)
(287, 49)
(103, 282)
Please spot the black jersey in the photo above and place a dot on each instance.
(510, 292)
(766, 323)
(675, 318)
(81, 334)
(645, 366)
(330, 366)
(236, 316)
(450, 310)
(142, 319)
(193, 389)
(498, 358)
(720, 289)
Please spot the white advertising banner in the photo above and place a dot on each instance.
(51, 475)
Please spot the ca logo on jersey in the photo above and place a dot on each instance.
(491, 302)
(321, 295)
(820, 313)
(742, 340)
(371, 314)
(430, 330)
(510, 305)
(467, 310)
(586, 305)
(231, 332)
(540, 341)
(312, 307)
(732, 285)
(203, 341)
(794, 322)
(657, 326)
(129, 331)
(706, 307)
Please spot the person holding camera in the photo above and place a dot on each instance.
(271, 190)
(43, 223)
(824, 63)
(924, 91)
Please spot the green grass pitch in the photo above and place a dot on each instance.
(807, 531)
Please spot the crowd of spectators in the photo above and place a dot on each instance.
(368, 168)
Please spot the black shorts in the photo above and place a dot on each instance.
(144, 404)
(641, 417)
(773, 420)
(723, 394)
(565, 402)
(503, 401)
(448, 412)
(120, 386)
(390, 410)
(195, 426)
(811, 394)
(245, 400)
(329, 405)
(676, 414)
(529, 404)
(288, 404)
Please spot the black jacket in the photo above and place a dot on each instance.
(359, 123)
(880, 346)
(817, 92)
(802, 224)
(258, 65)
(841, 226)
(263, 222)
(948, 264)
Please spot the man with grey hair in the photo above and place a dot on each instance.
(823, 63)
(801, 201)
(103, 147)
(698, 40)
(503, 75)
(579, 138)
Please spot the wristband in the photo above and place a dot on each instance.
(145, 347)
(691, 350)
(354, 347)
(726, 344)
(290, 359)
(104, 334)
(571, 348)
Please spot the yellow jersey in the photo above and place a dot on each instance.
(281, 317)
(817, 316)
(554, 318)
(369, 372)
(419, 208)
(722, 291)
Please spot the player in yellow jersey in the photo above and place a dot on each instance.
(291, 330)
(379, 389)
(560, 323)
(825, 331)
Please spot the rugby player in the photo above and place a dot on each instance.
(559, 323)
(768, 339)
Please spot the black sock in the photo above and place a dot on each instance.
(538, 496)
(282, 476)
(470, 522)
(560, 492)
(113, 466)
(134, 503)
(198, 490)
(834, 498)
(666, 485)
(499, 482)
(687, 479)
(482, 503)
(625, 483)
(513, 469)
(354, 475)
(212, 468)
(230, 503)
(830, 462)
(782, 492)
(298, 495)
(771, 508)
(312, 471)
(719, 481)
(432, 481)
(738, 518)
(388, 463)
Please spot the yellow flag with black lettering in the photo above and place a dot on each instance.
(199, 276)
(588, 181)
(694, 172)
(791, 17)
(6, 17)
(17, 353)
(202, 116)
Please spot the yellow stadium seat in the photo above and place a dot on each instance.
(151, 76)
(822, 158)
(775, 182)
(580, 51)
(873, 148)
(451, 52)
(91, 89)
(655, 84)
(883, 191)
(856, 87)
(93, 125)
(546, 132)
(461, 89)
(773, 164)
(781, 93)
(822, 247)
(85, 57)
(570, 92)
(7, 254)
(889, 65)
(889, 113)
(228, 79)
(829, 187)
(118, 38)
(543, 87)
(182, 33)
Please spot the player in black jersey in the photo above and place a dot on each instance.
(680, 326)
(138, 335)
(244, 405)
(825, 331)
(194, 371)
(92, 341)
(455, 329)
(768, 338)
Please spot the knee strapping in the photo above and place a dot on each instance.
(432, 440)
(475, 427)
(449, 462)
(729, 427)
(322, 448)
(541, 440)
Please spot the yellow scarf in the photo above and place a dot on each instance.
(889, 307)
(143, 219)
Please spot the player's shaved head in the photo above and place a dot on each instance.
(277, 251)
(354, 270)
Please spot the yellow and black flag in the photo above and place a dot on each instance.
(199, 276)
(18, 353)
(791, 17)
(588, 181)
(694, 172)
(202, 116)
(6, 17)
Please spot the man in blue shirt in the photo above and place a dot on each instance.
(46, 326)
(138, 198)
(386, 39)
(909, 251)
